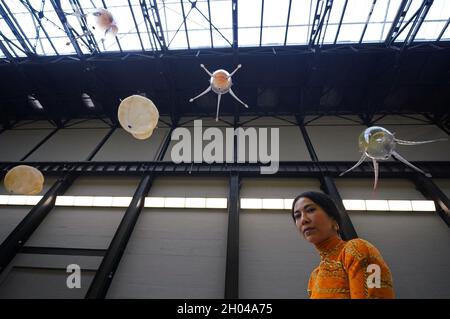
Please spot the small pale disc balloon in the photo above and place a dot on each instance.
(24, 180)
(138, 116)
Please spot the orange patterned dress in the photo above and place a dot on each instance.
(352, 269)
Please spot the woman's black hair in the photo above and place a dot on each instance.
(324, 201)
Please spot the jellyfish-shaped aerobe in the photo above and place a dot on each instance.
(378, 143)
(220, 83)
(104, 23)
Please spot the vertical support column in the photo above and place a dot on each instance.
(14, 242)
(328, 186)
(232, 262)
(105, 273)
(346, 228)
(232, 266)
(430, 190)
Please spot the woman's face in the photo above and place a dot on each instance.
(312, 221)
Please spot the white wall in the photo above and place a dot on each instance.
(16, 143)
(176, 253)
(122, 146)
(44, 276)
(85, 227)
(290, 143)
(274, 260)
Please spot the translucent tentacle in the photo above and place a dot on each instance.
(234, 95)
(401, 159)
(218, 106)
(237, 68)
(403, 142)
(206, 70)
(376, 172)
(363, 157)
(201, 94)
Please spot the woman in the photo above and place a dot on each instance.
(348, 269)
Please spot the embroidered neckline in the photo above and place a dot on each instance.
(329, 246)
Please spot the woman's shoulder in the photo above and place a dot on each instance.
(359, 249)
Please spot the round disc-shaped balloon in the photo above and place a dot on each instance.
(138, 115)
(377, 142)
(221, 81)
(24, 180)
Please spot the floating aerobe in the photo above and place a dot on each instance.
(220, 83)
(138, 115)
(379, 144)
(24, 180)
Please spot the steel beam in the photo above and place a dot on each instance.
(136, 25)
(185, 24)
(262, 22)
(367, 21)
(427, 187)
(17, 238)
(210, 24)
(234, 8)
(5, 51)
(18, 32)
(232, 261)
(340, 21)
(397, 23)
(62, 17)
(323, 10)
(287, 22)
(327, 184)
(101, 143)
(389, 169)
(37, 17)
(346, 227)
(105, 273)
(45, 139)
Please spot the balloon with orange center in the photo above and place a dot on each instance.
(103, 21)
(220, 83)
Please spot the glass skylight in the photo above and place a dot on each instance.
(34, 27)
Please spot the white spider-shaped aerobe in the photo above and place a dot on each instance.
(220, 83)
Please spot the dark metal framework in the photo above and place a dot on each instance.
(306, 82)
(322, 170)
(165, 63)
(17, 238)
(417, 19)
(321, 17)
(232, 263)
(104, 275)
(327, 184)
